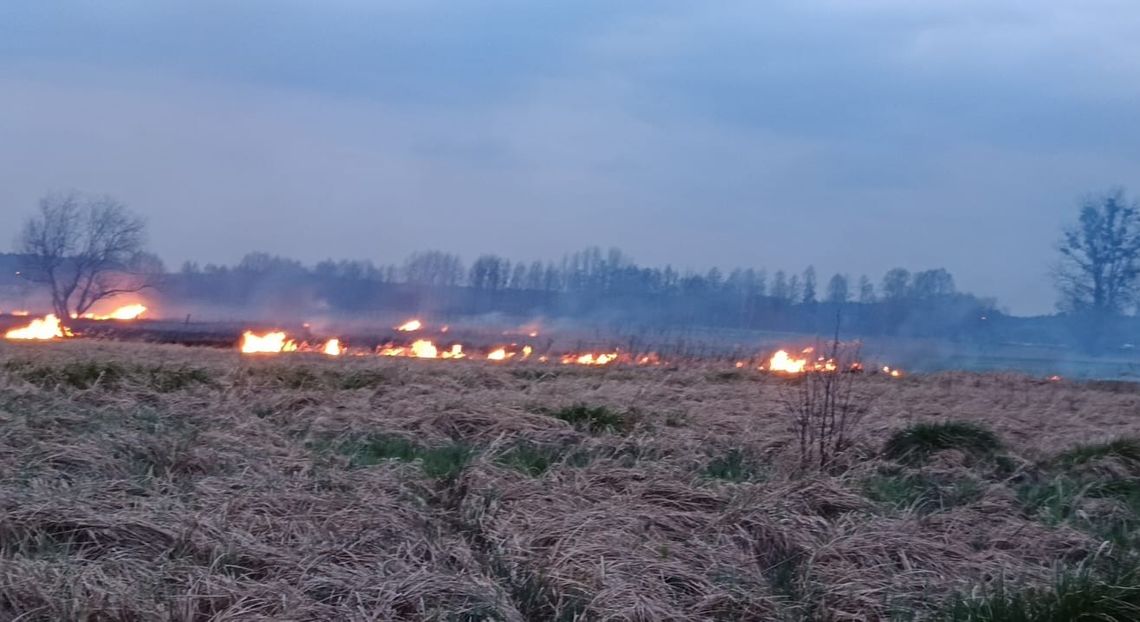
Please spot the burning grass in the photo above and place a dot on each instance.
(160, 482)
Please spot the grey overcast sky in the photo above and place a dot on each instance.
(852, 135)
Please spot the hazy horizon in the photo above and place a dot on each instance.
(855, 139)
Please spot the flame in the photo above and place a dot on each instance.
(47, 327)
(21, 313)
(127, 312)
(410, 326)
(1055, 378)
(456, 352)
(332, 347)
(589, 358)
(272, 343)
(893, 373)
(424, 349)
(782, 362)
(498, 355)
(527, 350)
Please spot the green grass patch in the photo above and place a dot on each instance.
(1074, 595)
(1065, 500)
(108, 374)
(734, 465)
(916, 443)
(1126, 450)
(360, 379)
(535, 459)
(439, 462)
(594, 419)
(920, 492)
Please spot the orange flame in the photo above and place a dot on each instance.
(782, 362)
(589, 358)
(47, 327)
(127, 312)
(410, 326)
(332, 347)
(498, 355)
(269, 343)
(21, 313)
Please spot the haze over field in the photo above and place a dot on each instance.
(956, 134)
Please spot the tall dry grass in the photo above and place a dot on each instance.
(165, 483)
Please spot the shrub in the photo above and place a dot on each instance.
(916, 443)
(595, 419)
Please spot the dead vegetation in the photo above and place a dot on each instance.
(166, 483)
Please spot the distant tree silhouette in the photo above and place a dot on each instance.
(838, 290)
(809, 295)
(1100, 257)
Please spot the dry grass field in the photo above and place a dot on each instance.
(167, 483)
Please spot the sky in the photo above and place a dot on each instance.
(852, 135)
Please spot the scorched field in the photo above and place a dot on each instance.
(145, 482)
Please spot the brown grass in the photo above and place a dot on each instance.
(167, 483)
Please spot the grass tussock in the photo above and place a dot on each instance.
(915, 444)
(1124, 450)
(920, 492)
(594, 419)
(735, 465)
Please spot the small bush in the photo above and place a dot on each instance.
(915, 444)
(595, 419)
(735, 465)
(1074, 595)
(920, 492)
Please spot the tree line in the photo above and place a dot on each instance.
(84, 249)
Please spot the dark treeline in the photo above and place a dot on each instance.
(596, 285)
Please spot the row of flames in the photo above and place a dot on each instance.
(49, 326)
(807, 361)
(276, 342)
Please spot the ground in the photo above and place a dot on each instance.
(144, 482)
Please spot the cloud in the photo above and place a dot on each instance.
(855, 136)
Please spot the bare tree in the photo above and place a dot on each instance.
(1099, 271)
(825, 409)
(85, 249)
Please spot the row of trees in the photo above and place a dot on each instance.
(593, 270)
(85, 249)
